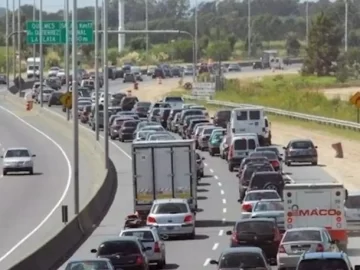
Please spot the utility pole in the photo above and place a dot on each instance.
(96, 14)
(19, 43)
(13, 29)
(196, 31)
(307, 21)
(66, 51)
(346, 24)
(106, 80)
(249, 28)
(41, 49)
(147, 28)
(34, 46)
(7, 42)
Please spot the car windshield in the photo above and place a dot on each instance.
(170, 208)
(144, 236)
(88, 265)
(130, 124)
(305, 235)
(143, 104)
(257, 196)
(268, 206)
(143, 134)
(255, 226)
(48, 91)
(243, 260)
(119, 247)
(301, 145)
(208, 131)
(323, 264)
(160, 137)
(174, 99)
(270, 149)
(17, 153)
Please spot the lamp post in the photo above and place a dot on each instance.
(346, 25)
(7, 41)
(96, 14)
(196, 31)
(307, 21)
(249, 27)
(106, 79)
(19, 42)
(66, 51)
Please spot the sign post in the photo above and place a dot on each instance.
(54, 32)
(355, 100)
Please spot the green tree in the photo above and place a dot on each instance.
(137, 44)
(292, 45)
(219, 50)
(323, 48)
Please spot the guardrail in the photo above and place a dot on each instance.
(294, 115)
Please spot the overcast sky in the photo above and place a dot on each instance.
(53, 6)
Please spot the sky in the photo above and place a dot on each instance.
(53, 6)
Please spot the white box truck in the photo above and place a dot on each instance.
(163, 169)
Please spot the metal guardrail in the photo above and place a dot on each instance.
(294, 115)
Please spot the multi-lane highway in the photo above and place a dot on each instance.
(218, 205)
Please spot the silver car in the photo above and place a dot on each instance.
(98, 263)
(142, 135)
(18, 160)
(46, 95)
(299, 240)
(149, 237)
(172, 217)
(252, 197)
(273, 208)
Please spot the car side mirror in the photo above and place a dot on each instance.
(228, 232)
(203, 158)
(93, 250)
(216, 262)
(240, 201)
(280, 159)
(33, 155)
(315, 147)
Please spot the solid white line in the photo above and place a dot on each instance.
(221, 232)
(63, 195)
(222, 192)
(215, 176)
(207, 261)
(224, 210)
(211, 170)
(224, 201)
(215, 246)
(219, 183)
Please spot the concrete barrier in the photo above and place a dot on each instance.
(61, 247)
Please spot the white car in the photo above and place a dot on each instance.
(53, 71)
(46, 95)
(149, 237)
(252, 197)
(18, 160)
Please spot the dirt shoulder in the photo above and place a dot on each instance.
(342, 93)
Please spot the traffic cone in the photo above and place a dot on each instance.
(28, 108)
(136, 86)
(159, 80)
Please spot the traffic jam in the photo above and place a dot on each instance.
(282, 224)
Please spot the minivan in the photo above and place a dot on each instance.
(240, 147)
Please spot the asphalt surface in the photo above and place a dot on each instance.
(219, 209)
(30, 212)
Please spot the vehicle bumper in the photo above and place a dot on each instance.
(214, 149)
(246, 215)
(287, 260)
(17, 169)
(114, 134)
(126, 136)
(301, 159)
(178, 230)
(235, 161)
(155, 257)
(203, 144)
(269, 250)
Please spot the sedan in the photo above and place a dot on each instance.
(252, 197)
(172, 217)
(142, 135)
(270, 208)
(299, 240)
(18, 160)
(100, 263)
(303, 151)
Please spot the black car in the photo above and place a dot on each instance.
(126, 132)
(55, 99)
(164, 114)
(3, 79)
(128, 103)
(129, 77)
(260, 232)
(176, 72)
(125, 252)
(221, 118)
(158, 73)
(267, 180)
(142, 108)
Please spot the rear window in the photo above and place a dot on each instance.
(251, 144)
(174, 99)
(257, 196)
(254, 115)
(156, 111)
(255, 226)
(302, 145)
(130, 124)
(144, 236)
(306, 235)
(88, 264)
(119, 247)
(353, 202)
(242, 260)
(241, 115)
(169, 208)
(208, 131)
(240, 144)
(270, 149)
(269, 206)
(165, 112)
(323, 264)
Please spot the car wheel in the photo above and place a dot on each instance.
(231, 168)
(121, 139)
(93, 127)
(288, 163)
(4, 172)
(211, 153)
(202, 174)
(314, 163)
(161, 264)
(112, 137)
(192, 235)
(31, 171)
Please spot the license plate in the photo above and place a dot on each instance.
(170, 228)
(299, 250)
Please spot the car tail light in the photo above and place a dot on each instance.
(234, 237)
(275, 163)
(139, 260)
(188, 219)
(231, 152)
(281, 249)
(319, 248)
(151, 220)
(246, 207)
(156, 247)
(277, 236)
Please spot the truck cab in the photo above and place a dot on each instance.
(317, 205)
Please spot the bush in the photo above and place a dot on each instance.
(292, 93)
(52, 59)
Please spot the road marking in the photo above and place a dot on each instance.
(223, 220)
(205, 164)
(63, 195)
(224, 201)
(224, 210)
(222, 192)
(215, 176)
(215, 246)
(207, 261)
(219, 183)
(221, 232)
(211, 170)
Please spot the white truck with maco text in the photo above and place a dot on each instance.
(317, 205)
(163, 169)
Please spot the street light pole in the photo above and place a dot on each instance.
(307, 21)
(7, 42)
(106, 82)
(249, 28)
(346, 24)
(75, 110)
(41, 49)
(196, 32)
(19, 42)
(13, 39)
(147, 28)
(34, 46)
(96, 14)
(66, 51)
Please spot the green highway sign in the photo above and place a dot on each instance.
(54, 32)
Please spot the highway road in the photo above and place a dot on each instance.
(218, 205)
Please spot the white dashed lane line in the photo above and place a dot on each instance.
(205, 164)
(224, 201)
(211, 170)
(221, 232)
(219, 184)
(215, 176)
(222, 192)
(207, 261)
(215, 246)
(224, 210)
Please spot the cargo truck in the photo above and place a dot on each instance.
(163, 169)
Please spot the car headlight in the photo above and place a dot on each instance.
(28, 163)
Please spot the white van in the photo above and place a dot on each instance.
(241, 146)
(250, 120)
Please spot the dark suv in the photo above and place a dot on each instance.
(267, 180)
(125, 252)
(126, 132)
(221, 118)
(128, 103)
